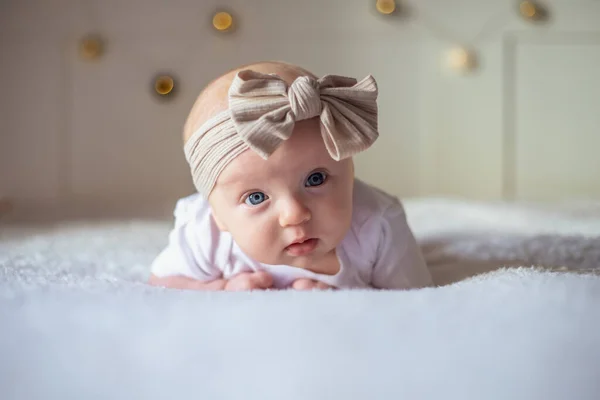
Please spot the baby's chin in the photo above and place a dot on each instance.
(304, 261)
(309, 257)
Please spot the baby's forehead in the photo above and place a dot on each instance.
(304, 151)
(249, 169)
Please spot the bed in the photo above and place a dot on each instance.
(515, 314)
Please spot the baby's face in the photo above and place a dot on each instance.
(293, 208)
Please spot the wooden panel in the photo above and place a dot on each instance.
(126, 142)
(556, 118)
(31, 118)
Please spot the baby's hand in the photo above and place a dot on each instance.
(258, 280)
(310, 284)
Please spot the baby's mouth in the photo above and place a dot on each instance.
(302, 247)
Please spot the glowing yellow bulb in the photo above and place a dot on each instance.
(90, 48)
(164, 85)
(386, 6)
(460, 59)
(222, 21)
(528, 9)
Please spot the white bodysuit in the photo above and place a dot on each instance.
(378, 251)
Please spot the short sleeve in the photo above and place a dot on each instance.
(400, 263)
(193, 246)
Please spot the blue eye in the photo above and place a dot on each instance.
(316, 179)
(255, 198)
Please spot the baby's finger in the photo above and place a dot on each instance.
(261, 280)
(240, 282)
(303, 284)
(323, 286)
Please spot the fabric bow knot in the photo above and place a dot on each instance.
(264, 110)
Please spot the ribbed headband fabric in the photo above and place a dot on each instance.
(263, 110)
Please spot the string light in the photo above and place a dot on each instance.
(464, 58)
(528, 9)
(386, 6)
(222, 21)
(91, 47)
(460, 59)
(164, 85)
(533, 11)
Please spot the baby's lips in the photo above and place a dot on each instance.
(300, 249)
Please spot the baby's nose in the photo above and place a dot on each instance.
(293, 212)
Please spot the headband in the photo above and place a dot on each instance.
(262, 112)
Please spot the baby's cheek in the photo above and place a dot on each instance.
(335, 218)
(260, 244)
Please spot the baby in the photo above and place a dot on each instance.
(270, 150)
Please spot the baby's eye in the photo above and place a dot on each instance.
(316, 179)
(255, 198)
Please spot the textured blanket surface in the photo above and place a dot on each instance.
(77, 320)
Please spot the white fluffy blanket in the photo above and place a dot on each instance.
(77, 320)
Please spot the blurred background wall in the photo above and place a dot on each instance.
(483, 99)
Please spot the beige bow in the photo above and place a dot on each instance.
(264, 109)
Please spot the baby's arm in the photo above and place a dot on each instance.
(243, 281)
(400, 263)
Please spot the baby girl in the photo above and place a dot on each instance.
(270, 150)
